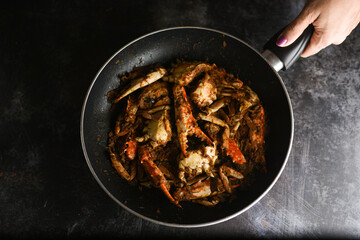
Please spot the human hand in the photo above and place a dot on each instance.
(333, 21)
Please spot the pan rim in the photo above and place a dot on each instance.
(169, 224)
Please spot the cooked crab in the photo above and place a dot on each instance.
(203, 191)
(229, 145)
(157, 176)
(217, 133)
(185, 122)
(205, 92)
(196, 162)
(121, 150)
(157, 129)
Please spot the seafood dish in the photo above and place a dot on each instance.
(191, 130)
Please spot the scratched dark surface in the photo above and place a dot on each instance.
(49, 55)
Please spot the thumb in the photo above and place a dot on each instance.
(295, 28)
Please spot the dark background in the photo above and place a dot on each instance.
(51, 51)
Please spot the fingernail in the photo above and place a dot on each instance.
(281, 41)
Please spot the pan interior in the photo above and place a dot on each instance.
(165, 47)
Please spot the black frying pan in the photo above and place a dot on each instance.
(191, 43)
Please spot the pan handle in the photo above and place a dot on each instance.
(284, 57)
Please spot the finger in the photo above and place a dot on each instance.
(346, 34)
(316, 44)
(296, 28)
(309, 51)
(339, 41)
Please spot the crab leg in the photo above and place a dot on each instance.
(225, 171)
(213, 119)
(148, 113)
(217, 105)
(141, 82)
(234, 129)
(185, 72)
(185, 122)
(198, 190)
(131, 109)
(202, 189)
(155, 173)
(131, 148)
(127, 129)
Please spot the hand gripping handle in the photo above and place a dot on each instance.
(288, 55)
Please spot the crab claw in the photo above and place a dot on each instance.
(155, 173)
(120, 150)
(141, 82)
(120, 168)
(232, 149)
(229, 144)
(185, 122)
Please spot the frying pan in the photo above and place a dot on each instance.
(192, 43)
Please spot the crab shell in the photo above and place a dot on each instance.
(197, 162)
(159, 129)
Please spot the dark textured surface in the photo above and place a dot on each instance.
(50, 53)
